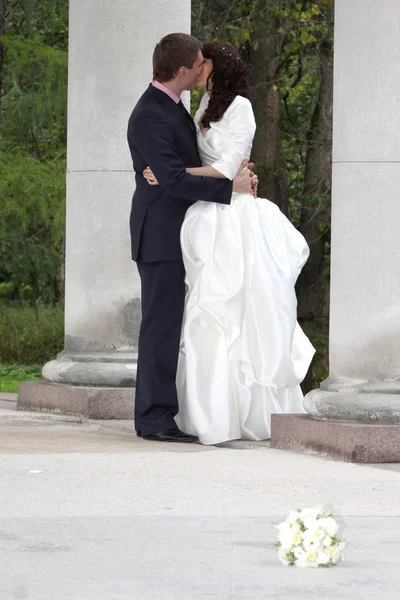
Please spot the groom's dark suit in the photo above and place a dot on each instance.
(162, 135)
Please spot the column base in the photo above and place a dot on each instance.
(355, 400)
(90, 402)
(106, 369)
(354, 442)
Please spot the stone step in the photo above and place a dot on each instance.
(7, 397)
(8, 401)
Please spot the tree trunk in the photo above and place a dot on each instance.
(2, 24)
(267, 150)
(315, 215)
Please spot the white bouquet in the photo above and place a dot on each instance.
(308, 539)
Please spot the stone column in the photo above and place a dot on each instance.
(356, 412)
(110, 51)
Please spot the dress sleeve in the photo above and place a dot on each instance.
(237, 134)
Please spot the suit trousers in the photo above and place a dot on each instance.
(163, 300)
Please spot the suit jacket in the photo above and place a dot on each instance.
(162, 135)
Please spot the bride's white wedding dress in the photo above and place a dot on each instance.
(242, 352)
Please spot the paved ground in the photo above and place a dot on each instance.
(89, 512)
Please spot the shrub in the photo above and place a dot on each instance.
(27, 340)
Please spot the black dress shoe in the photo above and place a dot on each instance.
(172, 435)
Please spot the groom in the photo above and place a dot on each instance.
(162, 135)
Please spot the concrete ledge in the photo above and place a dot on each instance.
(7, 397)
(91, 402)
(354, 442)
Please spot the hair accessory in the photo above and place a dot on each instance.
(230, 53)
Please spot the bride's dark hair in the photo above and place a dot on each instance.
(229, 77)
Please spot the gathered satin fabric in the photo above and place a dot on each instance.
(243, 354)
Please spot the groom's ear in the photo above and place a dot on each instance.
(181, 72)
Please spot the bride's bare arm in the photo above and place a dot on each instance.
(211, 172)
(206, 172)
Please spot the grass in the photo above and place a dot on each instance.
(26, 340)
(12, 375)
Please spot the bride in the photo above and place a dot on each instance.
(243, 354)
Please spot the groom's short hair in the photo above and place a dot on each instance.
(172, 52)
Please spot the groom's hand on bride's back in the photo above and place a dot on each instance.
(150, 177)
(246, 181)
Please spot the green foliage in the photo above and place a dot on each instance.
(33, 120)
(28, 340)
(6, 289)
(195, 98)
(320, 340)
(49, 18)
(32, 211)
(33, 104)
(33, 107)
(12, 375)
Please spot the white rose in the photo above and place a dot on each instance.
(295, 528)
(311, 523)
(311, 555)
(296, 539)
(300, 553)
(292, 518)
(286, 540)
(289, 539)
(282, 554)
(332, 553)
(329, 524)
(322, 558)
(284, 527)
(318, 534)
(310, 543)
